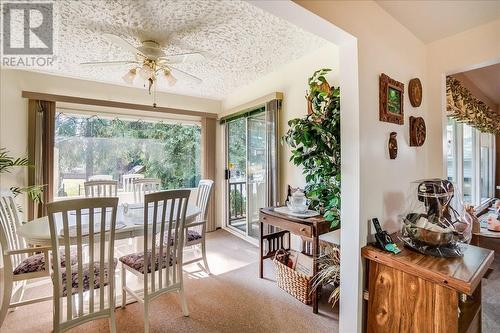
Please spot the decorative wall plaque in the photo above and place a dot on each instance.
(415, 92)
(417, 131)
(391, 100)
(393, 145)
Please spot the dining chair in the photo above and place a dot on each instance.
(20, 264)
(80, 293)
(101, 177)
(128, 179)
(195, 231)
(143, 186)
(159, 265)
(100, 188)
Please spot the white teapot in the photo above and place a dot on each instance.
(297, 202)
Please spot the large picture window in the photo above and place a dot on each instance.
(470, 163)
(109, 147)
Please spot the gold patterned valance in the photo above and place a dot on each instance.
(465, 107)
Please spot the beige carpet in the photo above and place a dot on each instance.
(233, 299)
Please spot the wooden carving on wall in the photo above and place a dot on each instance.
(415, 92)
(417, 131)
(393, 145)
(391, 100)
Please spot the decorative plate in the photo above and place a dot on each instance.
(415, 92)
(417, 131)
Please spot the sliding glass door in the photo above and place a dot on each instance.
(246, 173)
(256, 166)
(237, 174)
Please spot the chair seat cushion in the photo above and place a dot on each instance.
(191, 235)
(87, 270)
(36, 263)
(136, 260)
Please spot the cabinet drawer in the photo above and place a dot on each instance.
(294, 227)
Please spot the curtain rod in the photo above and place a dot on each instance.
(123, 115)
(113, 104)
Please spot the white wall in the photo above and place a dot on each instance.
(384, 46)
(291, 80)
(474, 48)
(13, 108)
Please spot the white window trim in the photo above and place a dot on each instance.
(458, 167)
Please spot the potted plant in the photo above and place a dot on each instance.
(315, 145)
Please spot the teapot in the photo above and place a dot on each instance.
(297, 202)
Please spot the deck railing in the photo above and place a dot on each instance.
(237, 202)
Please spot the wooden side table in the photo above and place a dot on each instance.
(412, 292)
(308, 229)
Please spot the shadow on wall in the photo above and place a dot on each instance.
(394, 203)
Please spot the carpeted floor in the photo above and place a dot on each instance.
(233, 299)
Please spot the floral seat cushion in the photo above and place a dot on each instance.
(36, 263)
(136, 260)
(191, 235)
(87, 270)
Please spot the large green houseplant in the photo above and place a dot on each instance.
(7, 164)
(315, 145)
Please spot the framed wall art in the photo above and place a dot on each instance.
(391, 100)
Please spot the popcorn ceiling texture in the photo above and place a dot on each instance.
(240, 42)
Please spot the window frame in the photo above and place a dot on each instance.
(458, 161)
(146, 116)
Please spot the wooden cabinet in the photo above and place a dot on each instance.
(412, 292)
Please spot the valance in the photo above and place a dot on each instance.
(464, 107)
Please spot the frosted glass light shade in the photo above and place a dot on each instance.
(145, 72)
(170, 79)
(130, 76)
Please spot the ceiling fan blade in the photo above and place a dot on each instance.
(117, 40)
(109, 63)
(180, 73)
(189, 57)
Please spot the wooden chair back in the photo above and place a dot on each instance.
(145, 186)
(101, 188)
(164, 218)
(9, 239)
(203, 197)
(84, 224)
(127, 181)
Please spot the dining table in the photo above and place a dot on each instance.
(129, 224)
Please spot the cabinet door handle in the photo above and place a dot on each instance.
(302, 229)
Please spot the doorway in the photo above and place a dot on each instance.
(246, 172)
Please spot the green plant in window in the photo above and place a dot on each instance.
(315, 145)
(7, 164)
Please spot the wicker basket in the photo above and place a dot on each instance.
(296, 284)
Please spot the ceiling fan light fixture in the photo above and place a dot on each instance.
(145, 72)
(130, 76)
(170, 78)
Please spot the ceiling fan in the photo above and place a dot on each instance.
(150, 62)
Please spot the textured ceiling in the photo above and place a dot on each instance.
(240, 42)
(433, 20)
